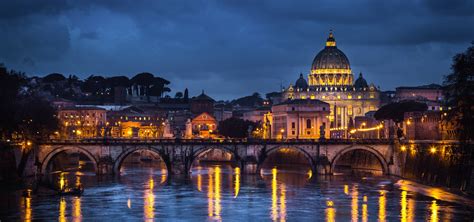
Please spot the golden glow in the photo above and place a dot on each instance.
(330, 43)
(27, 209)
(330, 211)
(77, 214)
(149, 201)
(382, 205)
(62, 210)
(274, 195)
(331, 71)
(129, 203)
(237, 182)
(366, 129)
(403, 148)
(210, 195)
(346, 189)
(199, 179)
(408, 122)
(403, 203)
(214, 194)
(310, 174)
(365, 214)
(433, 149)
(434, 211)
(355, 204)
(349, 96)
(62, 181)
(218, 192)
(164, 173)
(278, 211)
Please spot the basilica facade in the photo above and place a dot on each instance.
(331, 80)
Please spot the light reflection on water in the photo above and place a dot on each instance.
(221, 193)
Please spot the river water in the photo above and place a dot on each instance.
(219, 192)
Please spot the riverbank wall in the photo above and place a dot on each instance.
(436, 164)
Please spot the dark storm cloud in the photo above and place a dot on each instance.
(233, 48)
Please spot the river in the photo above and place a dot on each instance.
(219, 192)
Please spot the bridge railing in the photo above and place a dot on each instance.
(212, 141)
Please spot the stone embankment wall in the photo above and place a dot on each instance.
(436, 164)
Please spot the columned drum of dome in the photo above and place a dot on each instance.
(330, 67)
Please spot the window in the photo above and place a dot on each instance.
(349, 96)
(292, 108)
(359, 97)
(349, 110)
(293, 125)
(372, 95)
(308, 123)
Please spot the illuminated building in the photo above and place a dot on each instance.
(135, 122)
(331, 80)
(82, 122)
(204, 125)
(298, 119)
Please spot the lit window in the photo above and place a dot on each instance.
(372, 95)
(359, 97)
(349, 96)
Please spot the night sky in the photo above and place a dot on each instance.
(234, 48)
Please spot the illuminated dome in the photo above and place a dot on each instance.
(330, 66)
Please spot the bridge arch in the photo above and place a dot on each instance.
(50, 156)
(383, 162)
(124, 154)
(307, 155)
(202, 150)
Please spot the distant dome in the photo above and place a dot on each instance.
(361, 83)
(301, 82)
(330, 57)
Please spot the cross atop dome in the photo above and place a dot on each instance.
(331, 41)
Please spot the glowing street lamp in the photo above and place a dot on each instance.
(433, 149)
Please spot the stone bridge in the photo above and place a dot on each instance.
(107, 155)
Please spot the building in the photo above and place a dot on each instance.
(331, 80)
(82, 122)
(428, 125)
(297, 119)
(134, 122)
(202, 104)
(203, 125)
(257, 114)
(431, 94)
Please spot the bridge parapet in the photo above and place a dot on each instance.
(115, 141)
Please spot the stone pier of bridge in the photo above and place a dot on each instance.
(249, 155)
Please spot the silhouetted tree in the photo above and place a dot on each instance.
(186, 95)
(395, 111)
(54, 77)
(235, 128)
(254, 100)
(459, 94)
(178, 95)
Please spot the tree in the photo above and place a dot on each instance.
(254, 100)
(178, 95)
(396, 111)
(235, 128)
(458, 88)
(186, 95)
(54, 77)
